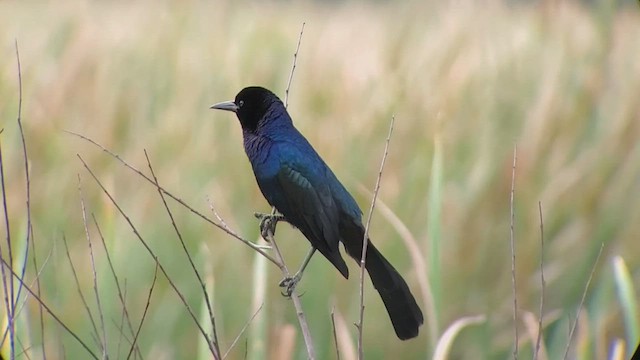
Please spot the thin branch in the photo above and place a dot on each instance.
(120, 328)
(306, 334)
(151, 253)
(365, 241)
(5, 288)
(9, 295)
(11, 307)
(51, 313)
(539, 337)
(178, 200)
(122, 334)
(217, 215)
(103, 343)
(18, 307)
(513, 255)
(584, 295)
(193, 266)
(29, 235)
(253, 245)
(121, 295)
(244, 328)
(27, 177)
(144, 313)
(28, 195)
(79, 288)
(293, 68)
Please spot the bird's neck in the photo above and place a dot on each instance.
(274, 127)
(256, 146)
(274, 121)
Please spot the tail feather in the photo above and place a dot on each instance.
(404, 312)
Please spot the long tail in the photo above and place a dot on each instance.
(403, 310)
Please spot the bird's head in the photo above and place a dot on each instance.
(250, 105)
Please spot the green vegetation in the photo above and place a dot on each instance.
(466, 84)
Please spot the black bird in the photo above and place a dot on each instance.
(297, 182)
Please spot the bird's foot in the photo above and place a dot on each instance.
(268, 222)
(289, 284)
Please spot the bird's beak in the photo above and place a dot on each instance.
(225, 105)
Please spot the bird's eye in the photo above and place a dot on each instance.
(240, 103)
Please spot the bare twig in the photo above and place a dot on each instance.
(306, 334)
(144, 313)
(513, 255)
(5, 286)
(151, 253)
(178, 200)
(27, 178)
(542, 284)
(9, 245)
(120, 328)
(79, 288)
(14, 299)
(223, 223)
(193, 266)
(29, 235)
(49, 311)
(121, 295)
(584, 295)
(11, 300)
(365, 241)
(244, 328)
(103, 342)
(18, 307)
(293, 68)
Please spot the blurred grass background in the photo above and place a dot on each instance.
(558, 79)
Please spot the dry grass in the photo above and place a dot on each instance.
(560, 81)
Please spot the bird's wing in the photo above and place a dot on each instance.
(310, 205)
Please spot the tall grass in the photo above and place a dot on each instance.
(465, 82)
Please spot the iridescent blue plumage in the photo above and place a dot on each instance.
(299, 184)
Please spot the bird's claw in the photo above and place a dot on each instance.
(268, 223)
(289, 284)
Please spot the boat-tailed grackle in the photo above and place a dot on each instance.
(297, 182)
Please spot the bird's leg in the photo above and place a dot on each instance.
(289, 283)
(268, 222)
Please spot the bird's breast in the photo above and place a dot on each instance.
(264, 159)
